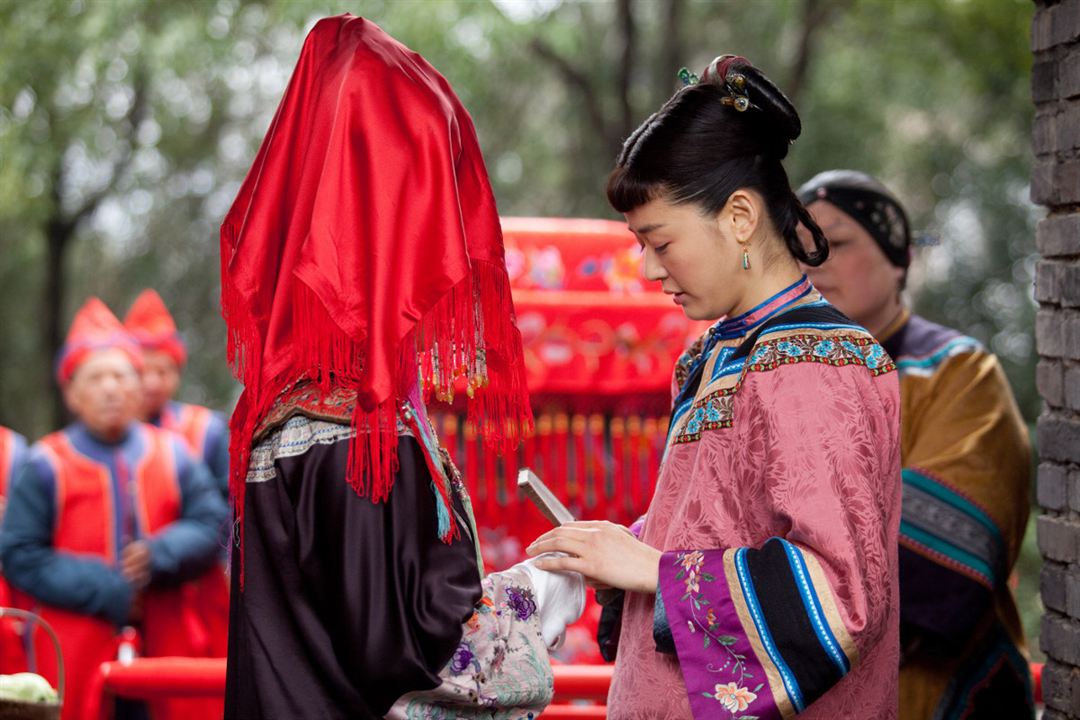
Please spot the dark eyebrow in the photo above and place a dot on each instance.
(646, 229)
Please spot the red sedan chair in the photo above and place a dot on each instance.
(600, 343)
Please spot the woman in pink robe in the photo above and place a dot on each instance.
(763, 580)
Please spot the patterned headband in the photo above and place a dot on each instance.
(879, 214)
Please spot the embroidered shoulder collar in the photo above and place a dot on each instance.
(814, 332)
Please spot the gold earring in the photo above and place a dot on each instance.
(745, 259)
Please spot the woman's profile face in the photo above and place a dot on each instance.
(691, 257)
(857, 278)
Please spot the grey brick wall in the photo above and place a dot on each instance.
(1055, 183)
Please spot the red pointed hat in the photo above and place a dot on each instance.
(150, 323)
(94, 328)
(364, 249)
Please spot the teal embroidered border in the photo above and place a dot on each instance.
(717, 409)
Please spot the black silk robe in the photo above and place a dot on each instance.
(346, 604)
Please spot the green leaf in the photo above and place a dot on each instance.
(727, 640)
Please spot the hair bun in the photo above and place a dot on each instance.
(749, 88)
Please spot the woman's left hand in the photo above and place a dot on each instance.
(605, 553)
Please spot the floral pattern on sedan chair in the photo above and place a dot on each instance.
(500, 669)
(733, 695)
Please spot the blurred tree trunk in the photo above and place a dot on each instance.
(813, 16)
(58, 234)
(60, 231)
(612, 129)
(672, 52)
(624, 69)
(592, 89)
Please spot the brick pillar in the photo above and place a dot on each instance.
(1055, 183)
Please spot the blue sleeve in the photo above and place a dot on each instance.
(216, 453)
(79, 583)
(191, 545)
(18, 455)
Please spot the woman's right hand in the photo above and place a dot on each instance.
(604, 587)
(603, 552)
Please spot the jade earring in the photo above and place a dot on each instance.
(745, 259)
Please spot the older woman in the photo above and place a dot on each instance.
(966, 464)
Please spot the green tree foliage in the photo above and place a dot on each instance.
(129, 124)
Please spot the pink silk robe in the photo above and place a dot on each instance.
(777, 506)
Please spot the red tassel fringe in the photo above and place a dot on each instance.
(470, 334)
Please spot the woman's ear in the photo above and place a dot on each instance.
(741, 215)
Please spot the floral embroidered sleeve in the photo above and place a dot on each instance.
(500, 669)
(764, 630)
(731, 613)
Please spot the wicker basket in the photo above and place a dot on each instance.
(18, 710)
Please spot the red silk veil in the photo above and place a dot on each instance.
(364, 248)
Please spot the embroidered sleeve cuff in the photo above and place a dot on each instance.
(952, 556)
(757, 632)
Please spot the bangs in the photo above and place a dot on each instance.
(626, 191)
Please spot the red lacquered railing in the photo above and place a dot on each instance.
(156, 678)
(166, 677)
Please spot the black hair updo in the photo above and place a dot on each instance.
(729, 130)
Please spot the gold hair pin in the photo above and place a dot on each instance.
(736, 87)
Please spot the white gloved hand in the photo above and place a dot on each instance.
(560, 599)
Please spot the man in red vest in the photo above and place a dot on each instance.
(108, 516)
(164, 358)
